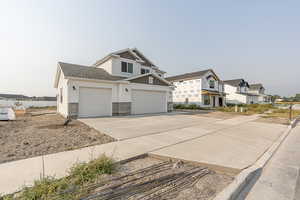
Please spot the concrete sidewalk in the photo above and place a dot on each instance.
(280, 178)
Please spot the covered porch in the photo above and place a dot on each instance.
(213, 98)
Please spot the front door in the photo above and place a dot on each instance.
(214, 101)
(220, 101)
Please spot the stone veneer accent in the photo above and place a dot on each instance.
(73, 110)
(121, 108)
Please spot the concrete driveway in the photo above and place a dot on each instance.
(126, 127)
(232, 144)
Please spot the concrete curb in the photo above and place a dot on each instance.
(246, 176)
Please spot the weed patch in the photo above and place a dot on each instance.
(70, 187)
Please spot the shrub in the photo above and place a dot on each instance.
(88, 172)
(187, 106)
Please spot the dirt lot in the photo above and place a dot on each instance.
(31, 136)
(150, 178)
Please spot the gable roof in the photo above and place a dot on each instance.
(87, 72)
(149, 74)
(191, 75)
(132, 54)
(236, 82)
(256, 86)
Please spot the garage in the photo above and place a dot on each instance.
(95, 102)
(146, 101)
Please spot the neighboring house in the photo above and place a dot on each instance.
(122, 83)
(203, 88)
(259, 90)
(237, 92)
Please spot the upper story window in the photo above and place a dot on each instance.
(126, 67)
(211, 84)
(145, 71)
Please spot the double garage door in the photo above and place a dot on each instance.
(96, 102)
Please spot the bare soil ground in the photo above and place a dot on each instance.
(150, 178)
(41, 134)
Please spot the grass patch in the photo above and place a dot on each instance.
(70, 187)
(248, 109)
(282, 113)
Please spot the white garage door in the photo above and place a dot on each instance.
(144, 101)
(95, 102)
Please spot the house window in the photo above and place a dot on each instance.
(127, 67)
(206, 100)
(61, 95)
(212, 84)
(144, 71)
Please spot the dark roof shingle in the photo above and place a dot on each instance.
(188, 75)
(88, 72)
(234, 82)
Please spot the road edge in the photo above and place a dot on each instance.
(247, 176)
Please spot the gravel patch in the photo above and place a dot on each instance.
(31, 136)
(142, 179)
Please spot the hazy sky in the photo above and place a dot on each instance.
(255, 40)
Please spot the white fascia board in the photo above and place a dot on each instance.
(143, 56)
(96, 80)
(57, 75)
(134, 54)
(99, 62)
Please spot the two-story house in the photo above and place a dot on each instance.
(237, 92)
(259, 90)
(122, 83)
(203, 88)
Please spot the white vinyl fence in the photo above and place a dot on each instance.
(27, 104)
